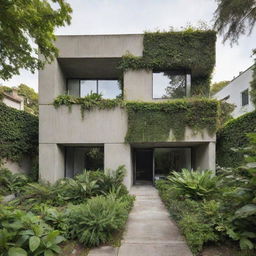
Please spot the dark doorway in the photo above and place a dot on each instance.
(143, 166)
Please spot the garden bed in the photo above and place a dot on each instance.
(43, 219)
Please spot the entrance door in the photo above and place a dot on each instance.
(143, 166)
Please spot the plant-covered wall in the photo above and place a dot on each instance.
(18, 134)
(232, 136)
(152, 122)
(192, 51)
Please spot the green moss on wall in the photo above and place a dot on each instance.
(233, 135)
(190, 51)
(152, 122)
(18, 134)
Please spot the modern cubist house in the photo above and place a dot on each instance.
(135, 100)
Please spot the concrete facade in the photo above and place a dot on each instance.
(232, 93)
(87, 57)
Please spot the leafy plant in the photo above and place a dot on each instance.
(25, 234)
(11, 183)
(96, 221)
(194, 184)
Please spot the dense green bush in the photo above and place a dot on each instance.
(11, 183)
(95, 222)
(18, 134)
(194, 184)
(232, 136)
(229, 212)
(23, 234)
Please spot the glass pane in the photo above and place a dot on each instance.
(245, 98)
(88, 87)
(168, 86)
(73, 87)
(109, 89)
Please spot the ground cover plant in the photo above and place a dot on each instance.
(211, 209)
(90, 208)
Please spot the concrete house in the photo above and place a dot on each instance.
(237, 92)
(68, 143)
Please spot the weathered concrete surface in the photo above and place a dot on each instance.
(104, 251)
(149, 230)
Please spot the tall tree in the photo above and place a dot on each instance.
(27, 28)
(234, 18)
(215, 87)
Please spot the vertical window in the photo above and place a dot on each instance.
(109, 89)
(169, 85)
(245, 97)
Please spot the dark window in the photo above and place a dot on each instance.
(109, 89)
(169, 85)
(245, 97)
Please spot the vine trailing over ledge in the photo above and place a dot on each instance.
(192, 51)
(87, 103)
(150, 121)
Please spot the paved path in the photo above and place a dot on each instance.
(149, 230)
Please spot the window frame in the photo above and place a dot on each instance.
(175, 73)
(90, 79)
(247, 98)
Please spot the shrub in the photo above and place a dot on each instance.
(11, 183)
(194, 184)
(96, 221)
(25, 234)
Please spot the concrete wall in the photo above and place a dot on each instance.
(52, 83)
(234, 90)
(205, 156)
(24, 166)
(99, 46)
(138, 85)
(51, 162)
(116, 155)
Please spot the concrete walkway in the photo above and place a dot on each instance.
(149, 230)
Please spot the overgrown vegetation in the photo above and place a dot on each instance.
(212, 209)
(233, 136)
(216, 87)
(90, 209)
(190, 50)
(87, 103)
(152, 122)
(18, 134)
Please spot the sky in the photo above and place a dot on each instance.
(137, 16)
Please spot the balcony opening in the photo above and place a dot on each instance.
(78, 159)
(170, 85)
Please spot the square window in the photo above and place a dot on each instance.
(245, 97)
(169, 85)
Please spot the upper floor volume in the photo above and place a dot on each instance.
(144, 67)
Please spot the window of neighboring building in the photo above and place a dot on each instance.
(109, 89)
(169, 85)
(245, 97)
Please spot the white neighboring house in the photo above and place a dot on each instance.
(13, 100)
(237, 92)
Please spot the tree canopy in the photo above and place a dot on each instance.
(234, 18)
(215, 87)
(26, 29)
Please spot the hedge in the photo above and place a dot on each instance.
(18, 134)
(233, 135)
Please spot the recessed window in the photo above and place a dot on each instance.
(169, 85)
(245, 97)
(109, 89)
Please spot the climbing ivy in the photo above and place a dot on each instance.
(233, 136)
(150, 121)
(87, 103)
(18, 134)
(253, 83)
(192, 51)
